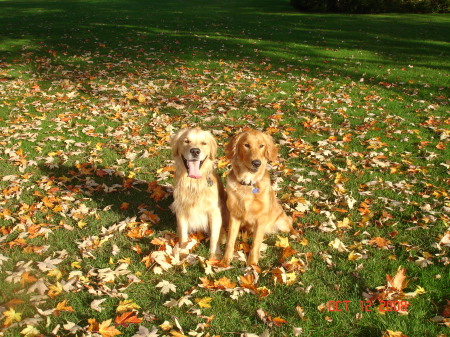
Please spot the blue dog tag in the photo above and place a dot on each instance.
(255, 190)
(209, 182)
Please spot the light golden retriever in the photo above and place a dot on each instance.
(199, 195)
(251, 202)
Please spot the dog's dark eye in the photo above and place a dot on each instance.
(261, 146)
(204, 143)
(247, 145)
(187, 141)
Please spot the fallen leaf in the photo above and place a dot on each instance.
(11, 317)
(204, 302)
(30, 331)
(127, 305)
(127, 318)
(398, 282)
(95, 304)
(106, 330)
(166, 287)
(338, 245)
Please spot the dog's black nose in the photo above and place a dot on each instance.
(195, 152)
(256, 163)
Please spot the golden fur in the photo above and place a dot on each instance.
(251, 201)
(199, 195)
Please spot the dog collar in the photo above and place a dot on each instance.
(209, 182)
(254, 189)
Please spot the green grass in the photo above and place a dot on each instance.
(91, 92)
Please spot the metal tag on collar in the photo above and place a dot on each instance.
(209, 182)
(255, 190)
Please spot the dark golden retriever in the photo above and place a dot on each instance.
(251, 201)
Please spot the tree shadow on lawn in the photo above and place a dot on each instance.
(119, 195)
(147, 33)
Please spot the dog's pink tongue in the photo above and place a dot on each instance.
(194, 169)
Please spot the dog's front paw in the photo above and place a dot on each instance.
(252, 260)
(225, 262)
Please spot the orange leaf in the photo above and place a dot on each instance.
(224, 283)
(158, 242)
(278, 321)
(128, 318)
(287, 252)
(347, 138)
(13, 303)
(441, 146)
(27, 278)
(247, 281)
(62, 306)
(262, 292)
(124, 206)
(93, 325)
(379, 242)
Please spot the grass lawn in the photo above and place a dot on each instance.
(91, 92)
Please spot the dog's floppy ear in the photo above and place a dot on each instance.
(271, 150)
(174, 142)
(212, 146)
(231, 148)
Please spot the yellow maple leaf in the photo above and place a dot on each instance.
(62, 306)
(141, 98)
(166, 325)
(54, 290)
(30, 331)
(420, 290)
(345, 223)
(106, 330)
(204, 302)
(81, 224)
(176, 333)
(127, 305)
(354, 256)
(291, 278)
(282, 242)
(304, 242)
(56, 273)
(76, 265)
(11, 317)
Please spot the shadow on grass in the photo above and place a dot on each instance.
(112, 192)
(85, 37)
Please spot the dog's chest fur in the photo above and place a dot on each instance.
(248, 200)
(192, 197)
